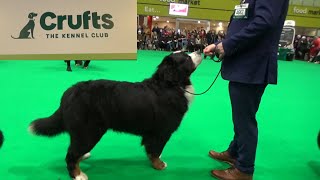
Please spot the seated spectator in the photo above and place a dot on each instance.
(191, 43)
(155, 40)
(156, 29)
(199, 45)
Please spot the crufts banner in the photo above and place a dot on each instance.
(72, 29)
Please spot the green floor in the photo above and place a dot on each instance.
(289, 120)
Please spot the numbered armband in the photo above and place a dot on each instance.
(241, 11)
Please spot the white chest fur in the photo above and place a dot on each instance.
(187, 94)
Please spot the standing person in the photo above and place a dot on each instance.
(156, 29)
(199, 44)
(86, 64)
(314, 50)
(77, 63)
(297, 46)
(304, 47)
(249, 55)
(209, 40)
(221, 36)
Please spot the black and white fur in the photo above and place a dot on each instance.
(152, 109)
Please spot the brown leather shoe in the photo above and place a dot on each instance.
(230, 174)
(224, 157)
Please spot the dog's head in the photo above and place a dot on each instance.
(32, 15)
(177, 67)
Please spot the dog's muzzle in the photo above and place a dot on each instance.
(196, 58)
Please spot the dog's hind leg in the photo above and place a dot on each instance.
(82, 142)
(154, 146)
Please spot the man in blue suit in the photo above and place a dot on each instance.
(249, 55)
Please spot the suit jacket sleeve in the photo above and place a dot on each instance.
(267, 14)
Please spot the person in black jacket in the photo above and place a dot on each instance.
(249, 54)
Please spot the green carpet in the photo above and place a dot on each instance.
(289, 121)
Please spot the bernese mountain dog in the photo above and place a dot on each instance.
(152, 109)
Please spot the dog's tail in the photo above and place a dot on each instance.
(14, 37)
(50, 126)
(1, 138)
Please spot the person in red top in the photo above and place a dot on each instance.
(314, 51)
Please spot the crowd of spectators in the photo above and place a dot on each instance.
(307, 48)
(168, 39)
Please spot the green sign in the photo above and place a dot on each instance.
(304, 11)
(222, 10)
(50, 21)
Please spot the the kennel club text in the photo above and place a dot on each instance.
(50, 21)
(77, 35)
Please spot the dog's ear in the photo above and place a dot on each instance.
(167, 61)
(168, 70)
(32, 15)
(171, 76)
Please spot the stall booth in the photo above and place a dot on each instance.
(286, 43)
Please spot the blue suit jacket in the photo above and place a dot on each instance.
(251, 45)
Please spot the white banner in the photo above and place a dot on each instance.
(72, 29)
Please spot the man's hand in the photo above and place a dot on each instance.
(220, 50)
(212, 49)
(209, 50)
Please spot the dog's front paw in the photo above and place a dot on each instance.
(86, 156)
(81, 176)
(158, 164)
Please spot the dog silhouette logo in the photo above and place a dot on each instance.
(27, 31)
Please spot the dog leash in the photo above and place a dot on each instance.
(214, 81)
